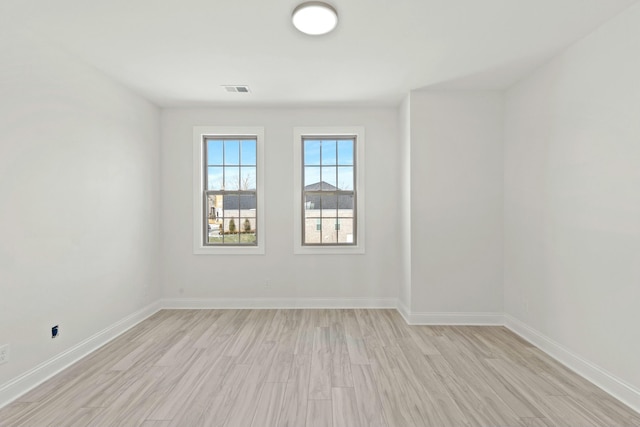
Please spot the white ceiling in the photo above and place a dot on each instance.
(179, 53)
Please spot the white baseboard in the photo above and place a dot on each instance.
(20, 385)
(613, 385)
(470, 319)
(220, 303)
(404, 312)
(450, 318)
(409, 317)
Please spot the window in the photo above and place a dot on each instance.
(330, 190)
(228, 213)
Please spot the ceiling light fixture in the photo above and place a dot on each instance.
(315, 18)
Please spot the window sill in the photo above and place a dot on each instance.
(328, 250)
(229, 250)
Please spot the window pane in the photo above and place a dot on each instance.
(247, 230)
(229, 205)
(247, 224)
(231, 230)
(329, 206)
(214, 178)
(345, 206)
(329, 232)
(345, 231)
(231, 152)
(312, 206)
(248, 204)
(214, 152)
(247, 178)
(329, 178)
(328, 152)
(231, 178)
(248, 152)
(345, 178)
(214, 218)
(312, 178)
(345, 152)
(311, 152)
(312, 231)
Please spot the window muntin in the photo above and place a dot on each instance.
(230, 191)
(328, 191)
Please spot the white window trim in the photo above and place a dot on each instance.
(198, 181)
(298, 133)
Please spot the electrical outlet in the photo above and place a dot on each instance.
(4, 354)
(55, 331)
(266, 284)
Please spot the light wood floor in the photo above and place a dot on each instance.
(243, 368)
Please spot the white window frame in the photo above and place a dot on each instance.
(329, 131)
(199, 133)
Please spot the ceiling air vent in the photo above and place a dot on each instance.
(236, 88)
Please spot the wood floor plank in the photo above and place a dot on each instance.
(167, 407)
(422, 338)
(370, 333)
(479, 404)
(473, 371)
(217, 411)
(345, 407)
(356, 344)
(393, 393)
(131, 405)
(428, 394)
(536, 422)
(367, 398)
(319, 414)
(320, 380)
(80, 418)
(294, 406)
(208, 391)
(389, 326)
(306, 332)
(340, 360)
(281, 367)
(246, 344)
(562, 412)
(130, 359)
(13, 414)
(269, 405)
(245, 406)
(341, 375)
(156, 423)
(519, 379)
(297, 368)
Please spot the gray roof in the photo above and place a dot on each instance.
(328, 201)
(244, 202)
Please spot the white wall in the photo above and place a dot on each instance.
(376, 274)
(78, 202)
(456, 202)
(404, 128)
(572, 198)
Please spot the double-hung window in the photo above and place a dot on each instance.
(228, 208)
(329, 189)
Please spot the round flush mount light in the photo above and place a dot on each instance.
(315, 18)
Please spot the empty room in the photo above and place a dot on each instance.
(320, 214)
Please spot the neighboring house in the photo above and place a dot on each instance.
(329, 202)
(328, 218)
